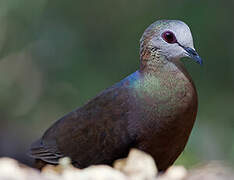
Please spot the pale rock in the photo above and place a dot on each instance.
(174, 173)
(10, 169)
(138, 165)
(100, 172)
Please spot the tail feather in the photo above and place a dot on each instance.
(39, 151)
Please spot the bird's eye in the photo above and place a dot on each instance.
(169, 37)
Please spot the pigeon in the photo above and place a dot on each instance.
(153, 109)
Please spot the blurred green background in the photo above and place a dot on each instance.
(55, 55)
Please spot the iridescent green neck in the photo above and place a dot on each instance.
(165, 87)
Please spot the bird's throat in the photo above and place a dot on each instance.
(152, 60)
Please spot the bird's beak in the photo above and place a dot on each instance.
(193, 54)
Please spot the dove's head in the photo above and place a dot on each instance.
(171, 39)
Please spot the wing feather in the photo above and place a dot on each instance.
(39, 151)
(93, 134)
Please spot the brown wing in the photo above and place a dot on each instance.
(93, 134)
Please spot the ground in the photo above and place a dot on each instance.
(137, 166)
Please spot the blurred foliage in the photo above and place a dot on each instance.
(57, 55)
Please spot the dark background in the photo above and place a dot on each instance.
(55, 55)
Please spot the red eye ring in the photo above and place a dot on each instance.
(169, 37)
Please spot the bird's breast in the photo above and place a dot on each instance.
(165, 107)
(165, 94)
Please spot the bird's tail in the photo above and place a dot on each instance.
(39, 152)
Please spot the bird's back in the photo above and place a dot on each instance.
(93, 134)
